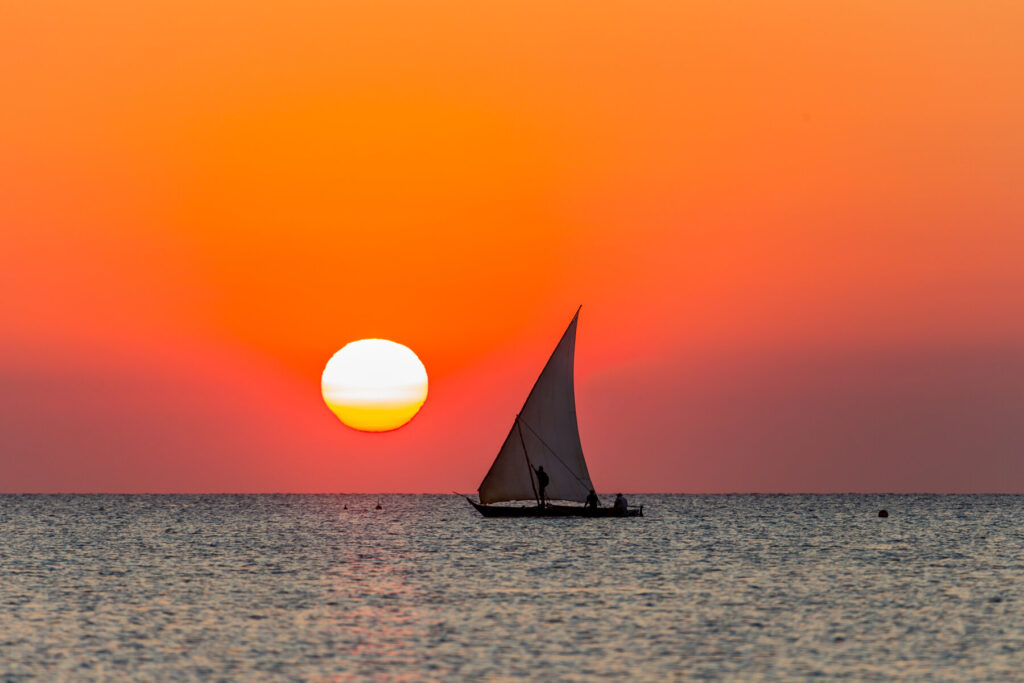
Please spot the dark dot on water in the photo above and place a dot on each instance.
(838, 639)
(995, 598)
(883, 513)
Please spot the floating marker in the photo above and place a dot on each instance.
(883, 513)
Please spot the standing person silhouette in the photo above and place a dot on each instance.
(542, 484)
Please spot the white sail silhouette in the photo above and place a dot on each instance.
(544, 434)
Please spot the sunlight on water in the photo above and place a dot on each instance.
(703, 586)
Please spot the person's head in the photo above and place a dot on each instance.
(618, 495)
(591, 491)
(541, 468)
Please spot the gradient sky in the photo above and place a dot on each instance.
(796, 229)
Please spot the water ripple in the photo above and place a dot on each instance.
(298, 587)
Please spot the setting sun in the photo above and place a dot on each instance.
(374, 385)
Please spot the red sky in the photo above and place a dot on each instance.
(795, 229)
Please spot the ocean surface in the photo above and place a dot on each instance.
(296, 587)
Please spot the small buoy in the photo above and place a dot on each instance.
(378, 505)
(883, 513)
(344, 507)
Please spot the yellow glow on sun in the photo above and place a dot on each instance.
(374, 385)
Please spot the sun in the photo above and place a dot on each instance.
(374, 385)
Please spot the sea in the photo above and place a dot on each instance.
(328, 588)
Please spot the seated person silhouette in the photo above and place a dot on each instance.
(620, 506)
(592, 502)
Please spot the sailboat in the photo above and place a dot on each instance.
(545, 436)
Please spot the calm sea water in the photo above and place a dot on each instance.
(297, 587)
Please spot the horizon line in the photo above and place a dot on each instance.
(441, 493)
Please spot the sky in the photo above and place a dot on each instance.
(796, 230)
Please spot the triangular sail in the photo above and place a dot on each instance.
(545, 434)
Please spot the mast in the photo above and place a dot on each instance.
(526, 455)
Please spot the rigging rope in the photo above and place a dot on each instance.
(585, 485)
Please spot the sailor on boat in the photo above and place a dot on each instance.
(542, 484)
(620, 506)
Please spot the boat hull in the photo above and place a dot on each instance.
(553, 511)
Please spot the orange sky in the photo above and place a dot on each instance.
(795, 229)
